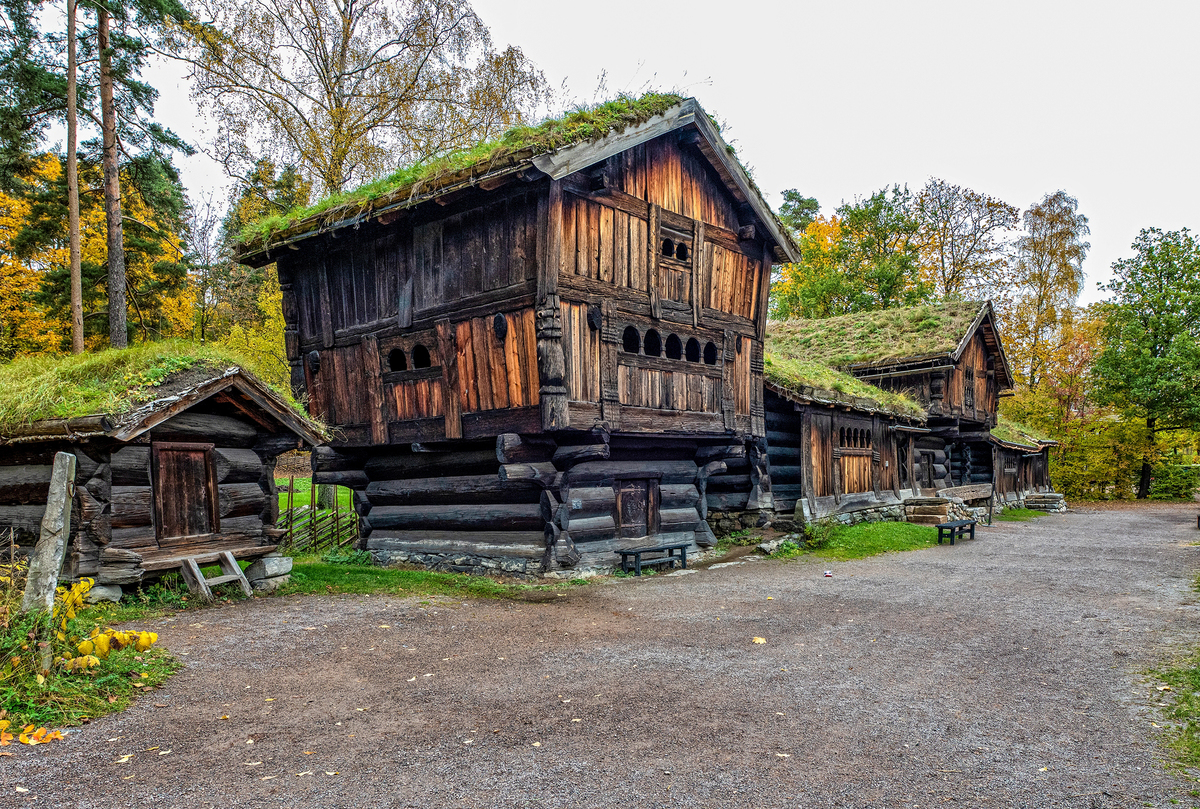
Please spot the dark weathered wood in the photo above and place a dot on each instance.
(219, 430)
(451, 400)
(131, 466)
(543, 474)
(565, 457)
(22, 485)
(374, 389)
(350, 479)
(698, 268)
(237, 465)
(518, 544)
(467, 489)
(240, 499)
(668, 472)
(324, 308)
(552, 370)
(408, 465)
(131, 506)
(515, 448)
(459, 517)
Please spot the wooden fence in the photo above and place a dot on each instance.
(316, 530)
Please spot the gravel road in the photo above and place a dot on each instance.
(1008, 671)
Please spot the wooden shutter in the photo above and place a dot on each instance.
(185, 491)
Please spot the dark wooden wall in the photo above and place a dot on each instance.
(967, 389)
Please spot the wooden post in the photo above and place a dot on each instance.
(727, 360)
(312, 508)
(806, 462)
(552, 365)
(46, 561)
(337, 519)
(290, 528)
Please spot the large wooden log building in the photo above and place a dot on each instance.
(544, 356)
(188, 474)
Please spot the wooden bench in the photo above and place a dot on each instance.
(638, 562)
(956, 529)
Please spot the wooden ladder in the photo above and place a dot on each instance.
(230, 569)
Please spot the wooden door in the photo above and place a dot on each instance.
(185, 492)
(637, 507)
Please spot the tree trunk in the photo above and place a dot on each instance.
(325, 496)
(112, 189)
(73, 188)
(1144, 482)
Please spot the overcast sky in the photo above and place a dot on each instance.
(838, 99)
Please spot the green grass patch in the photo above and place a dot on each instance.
(794, 373)
(1017, 515)
(113, 381)
(1182, 725)
(302, 494)
(738, 539)
(311, 575)
(872, 538)
(37, 688)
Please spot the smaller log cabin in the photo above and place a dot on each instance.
(187, 474)
(869, 409)
(1022, 463)
(539, 358)
(834, 443)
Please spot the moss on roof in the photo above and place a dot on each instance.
(1014, 433)
(107, 382)
(516, 145)
(807, 378)
(889, 335)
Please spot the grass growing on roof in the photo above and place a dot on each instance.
(584, 124)
(867, 337)
(110, 381)
(794, 373)
(1008, 430)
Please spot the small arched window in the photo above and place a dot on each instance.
(396, 360)
(668, 248)
(652, 346)
(842, 437)
(631, 341)
(868, 444)
(674, 347)
(681, 251)
(420, 356)
(710, 353)
(692, 352)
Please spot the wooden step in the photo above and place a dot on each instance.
(199, 585)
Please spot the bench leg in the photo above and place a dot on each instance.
(953, 531)
(683, 558)
(972, 530)
(638, 561)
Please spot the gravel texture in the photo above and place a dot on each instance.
(1008, 671)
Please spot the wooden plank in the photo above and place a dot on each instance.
(324, 309)
(481, 354)
(468, 387)
(697, 268)
(652, 271)
(620, 229)
(451, 402)
(374, 404)
(606, 258)
(458, 517)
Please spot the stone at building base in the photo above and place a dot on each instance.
(104, 592)
(927, 510)
(724, 523)
(269, 572)
(462, 563)
(1052, 502)
(268, 585)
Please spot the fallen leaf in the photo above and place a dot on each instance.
(309, 752)
(385, 626)
(268, 777)
(306, 772)
(335, 772)
(125, 759)
(249, 741)
(270, 699)
(164, 752)
(252, 763)
(537, 744)
(148, 749)
(573, 720)
(22, 789)
(760, 640)
(412, 679)
(1043, 769)
(784, 755)
(1164, 688)
(226, 716)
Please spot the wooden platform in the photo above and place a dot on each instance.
(162, 563)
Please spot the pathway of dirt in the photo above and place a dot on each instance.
(1001, 672)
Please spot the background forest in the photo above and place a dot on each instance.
(101, 246)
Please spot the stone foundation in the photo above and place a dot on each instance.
(724, 523)
(462, 563)
(1052, 502)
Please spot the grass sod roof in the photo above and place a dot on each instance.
(812, 380)
(868, 338)
(111, 382)
(513, 147)
(1010, 432)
